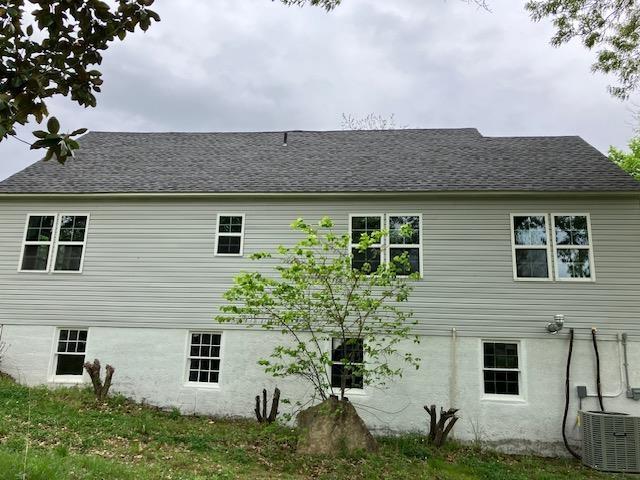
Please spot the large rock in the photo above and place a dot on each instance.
(332, 428)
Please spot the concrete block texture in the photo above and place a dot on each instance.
(151, 366)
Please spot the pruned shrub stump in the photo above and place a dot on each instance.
(332, 428)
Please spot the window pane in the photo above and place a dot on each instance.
(360, 225)
(230, 224)
(573, 263)
(69, 257)
(228, 244)
(413, 258)
(39, 228)
(531, 263)
(70, 365)
(529, 230)
(501, 382)
(72, 228)
(395, 233)
(572, 230)
(351, 379)
(351, 349)
(35, 257)
(366, 261)
(500, 355)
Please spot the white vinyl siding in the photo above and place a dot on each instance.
(151, 262)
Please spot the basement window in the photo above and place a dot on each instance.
(573, 252)
(501, 372)
(203, 361)
(530, 241)
(347, 357)
(72, 235)
(230, 233)
(37, 243)
(70, 352)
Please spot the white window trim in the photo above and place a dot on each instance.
(389, 245)
(58, 242)
(592, 264)
(347, 391)
(515, 247)
(51, 242)
(231, 234)
(68, 379)
(188, 358)
(522, 384)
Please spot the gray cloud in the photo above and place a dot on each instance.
(257, 65)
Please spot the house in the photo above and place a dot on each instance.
(123, 254)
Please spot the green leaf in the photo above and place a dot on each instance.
(53, 125)
(79, 131)
(40, 133)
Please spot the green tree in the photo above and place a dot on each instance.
(610, 26)
(316, 297)
(51, 49)
(629, 162)
(54, 48)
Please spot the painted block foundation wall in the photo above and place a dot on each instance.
(150, 365)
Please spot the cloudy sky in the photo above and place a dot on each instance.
(243, 65)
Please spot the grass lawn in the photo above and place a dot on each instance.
(69, 437)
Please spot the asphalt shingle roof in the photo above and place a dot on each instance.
(444, 160)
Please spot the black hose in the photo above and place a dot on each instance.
(598, 385)
(566, 399)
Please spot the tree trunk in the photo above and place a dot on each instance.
(439, 429)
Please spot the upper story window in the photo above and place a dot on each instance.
(72, 234)
(370, 258)
(347, 358)
(230, 233)
(37, 243)
(570, 242)
(404, 236)
(572, 247)
(62, 251)
(530, 246)
(400, 243)
(501, 368)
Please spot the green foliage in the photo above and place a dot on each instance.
(52, 48)
(629, 162)
(610, 26)
(316, 295)
(70, 439)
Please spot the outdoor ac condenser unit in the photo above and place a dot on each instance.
(611, 441)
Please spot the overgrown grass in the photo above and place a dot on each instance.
(69, 437)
